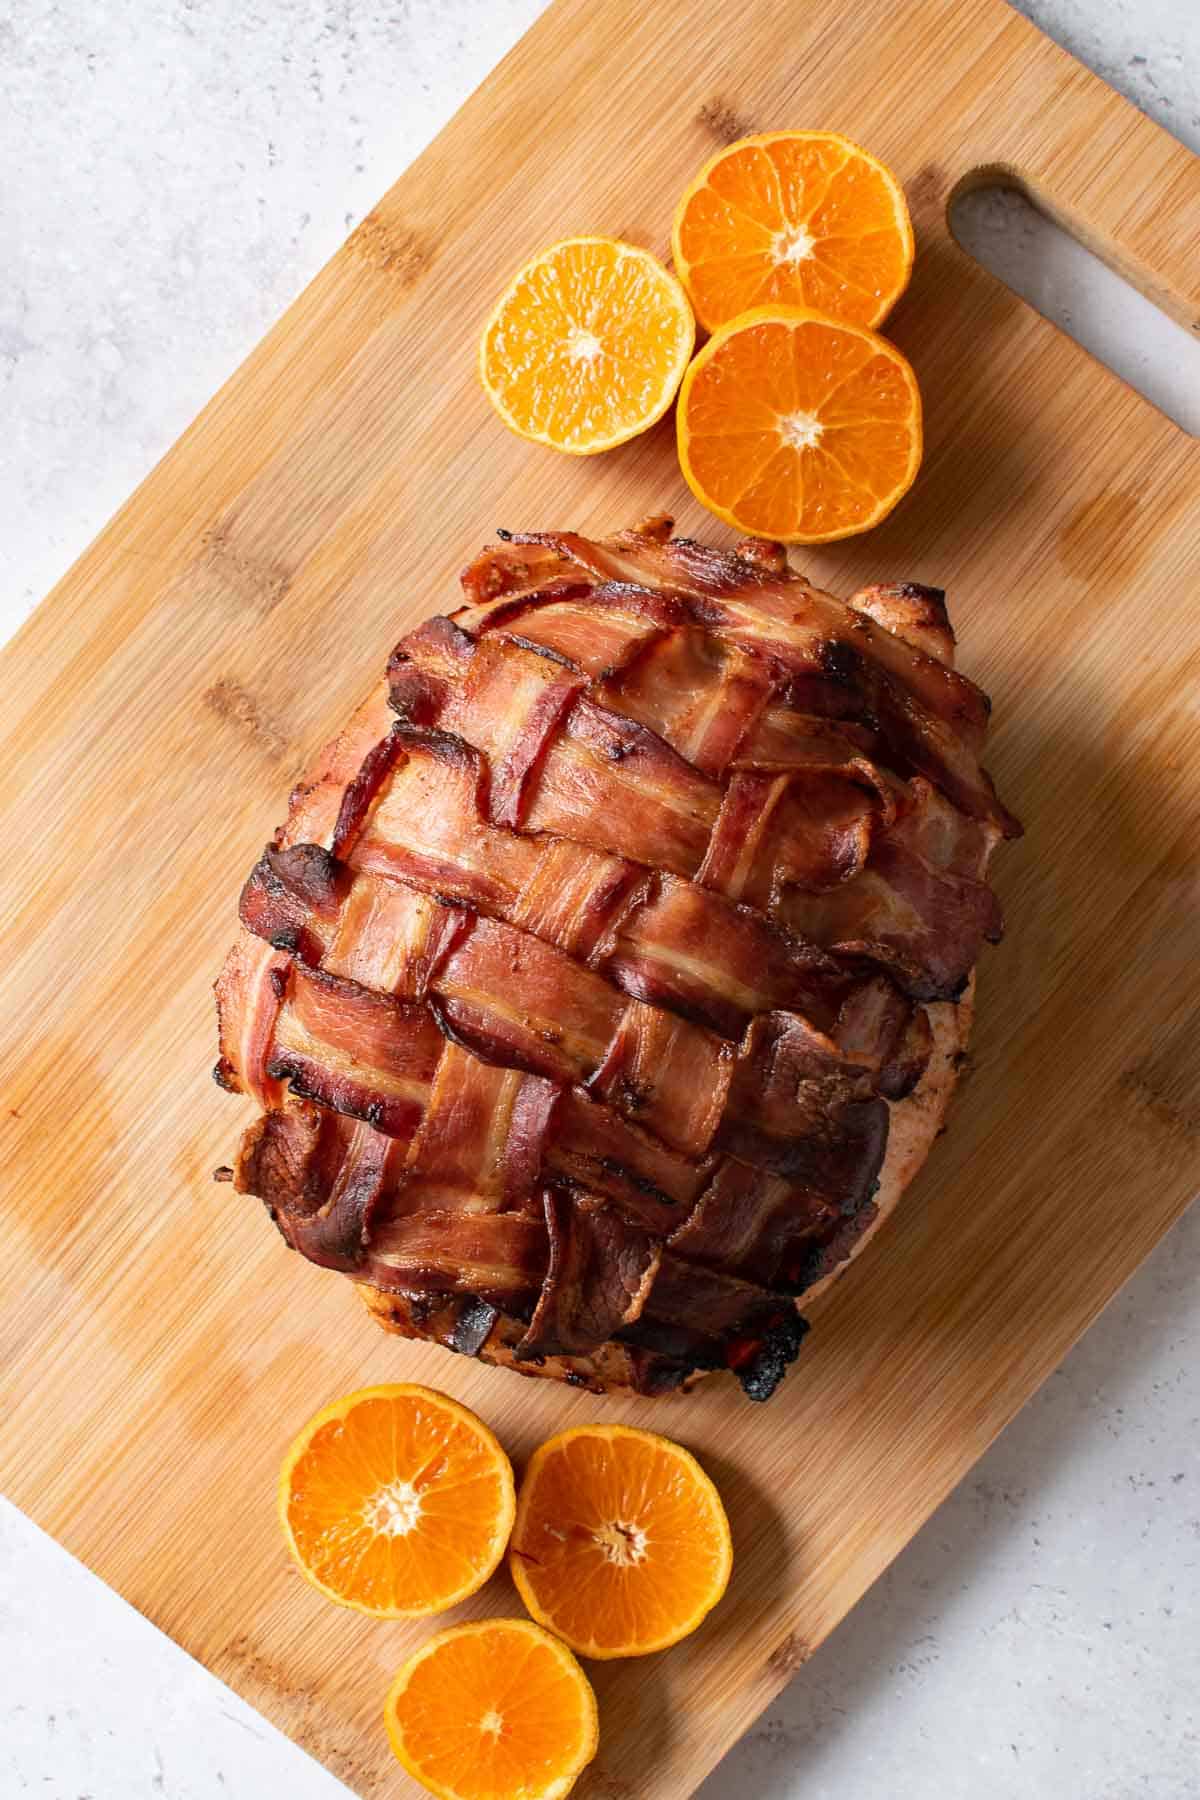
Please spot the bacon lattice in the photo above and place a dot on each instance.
(576, 988)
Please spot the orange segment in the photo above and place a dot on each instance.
(792, 425)
(495, 1711)
(587, 345)
(396, 1501)
(621, 1544)
(799, 218)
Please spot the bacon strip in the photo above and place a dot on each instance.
(427, 827)
(600, 1274)
(392, 937)
(250, 992)
(597, 629)
(787, 738)
(751, 1223)
(459, 1322)
(613, 784)
(808, 829)
(909, 611)
(593, 1147)
(879, 1029)
(736, 862)
(668, 1075)
(423, 669)
(498, 1257)
(574, 898)
(323, 1179)
(360, 796)
(925, 929)
(516, 1000)
(365, 1054)
(509, 708)
(798, 1108)
(516, 566)
(290, 890)
(711, 961)
(315, 805)
(480, 1144)
(699, 695)
(945, 840)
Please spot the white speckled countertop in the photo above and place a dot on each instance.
(171, 173)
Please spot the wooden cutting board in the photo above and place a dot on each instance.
(158, 1344)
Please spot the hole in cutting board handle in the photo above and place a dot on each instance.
(997, 224)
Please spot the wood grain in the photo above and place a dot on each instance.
(158, 1344)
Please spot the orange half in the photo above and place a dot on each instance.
(396, 1501)
(621, 1544)
(792, 425)
(587, 346)
(494, 1711)
(802, 218)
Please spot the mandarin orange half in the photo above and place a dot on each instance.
(498, 1710)
(621, 1544)
(802, 218)
(792, 425)
(587, 345)
(396, 1501)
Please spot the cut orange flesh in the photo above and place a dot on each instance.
(795, 426)
(587, 346)
(396, 1501)
(621, 1544)
(802, 218)
(494, 1711)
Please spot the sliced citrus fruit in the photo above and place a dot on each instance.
(621, 1543)
(499, 1710)
(587, 345)
(396, 1501)
(803, 217)
(792, 425)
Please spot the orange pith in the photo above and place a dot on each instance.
(396, 1501)
(621, 1544)
(499, 1710)
(803, 218)
(587, 345)
(795, 426)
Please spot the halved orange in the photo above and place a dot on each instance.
(587, 345)
(499, 1710)
(792, 425)
(621, 1544)
(805, 218)
(396, 1501)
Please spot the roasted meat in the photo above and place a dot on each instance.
(614, 956)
